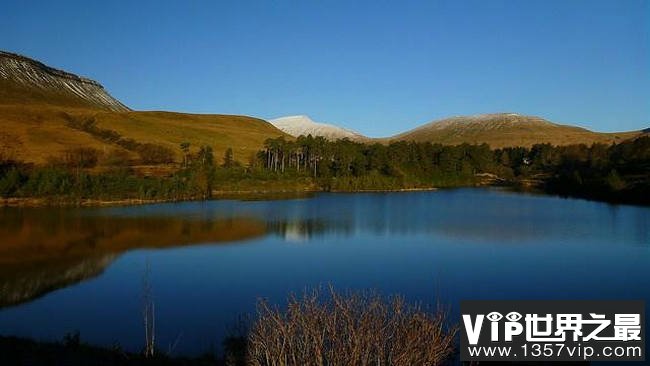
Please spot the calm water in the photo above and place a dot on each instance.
(82, 269)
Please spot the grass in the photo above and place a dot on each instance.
(37, 133)
(245, 135)
(35, 130)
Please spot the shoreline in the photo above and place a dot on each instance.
(40, 202)
(253, 195)
(33, 202)
(425, 189)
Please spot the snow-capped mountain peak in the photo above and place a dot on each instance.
(303, 125)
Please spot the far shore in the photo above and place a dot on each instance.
(281, 194)
(389, 190)
(216, 195)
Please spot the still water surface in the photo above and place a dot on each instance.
(63, 270)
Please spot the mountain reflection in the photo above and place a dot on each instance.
(26, 281)
(495, 217)
(43, 250)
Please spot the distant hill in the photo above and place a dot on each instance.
(497, 130)
(506, 129)
(37, 103)
(303, 125)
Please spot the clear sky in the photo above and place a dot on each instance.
(379, 67)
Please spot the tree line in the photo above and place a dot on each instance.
(617, 172)
(86, 173)
(149, 153)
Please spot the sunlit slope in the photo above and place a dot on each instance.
(37, 103)
(35, 134)
(245, 135)
(39, 133)
(506, 129)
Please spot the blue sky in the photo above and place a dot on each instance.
(379, 67)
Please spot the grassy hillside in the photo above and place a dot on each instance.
(37, 133)
(245, 135)
(46, 113)
(43, 110)
(505, 130)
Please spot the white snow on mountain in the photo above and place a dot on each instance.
(483, 122)
(31, 73)
(303, 125)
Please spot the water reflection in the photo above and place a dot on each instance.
(302, 231)
(43, 250)
(46, 249)
(464, 214)
(27, 281)
(456, 244)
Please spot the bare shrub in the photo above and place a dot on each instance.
(358, 328)
(148, 314)
(116, 158)
(10, 147)
(80, 157)
(155, 154)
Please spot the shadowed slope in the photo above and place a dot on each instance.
(27, 81)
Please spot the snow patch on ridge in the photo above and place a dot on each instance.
(303, 125)
(489, 121)
(23, 70)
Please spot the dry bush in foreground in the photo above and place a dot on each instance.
(350, 329)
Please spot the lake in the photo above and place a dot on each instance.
(63, 270)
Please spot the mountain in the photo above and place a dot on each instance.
(26, 81)
(496, 129)
(506, 129)
(303, 125)
(40, 107)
